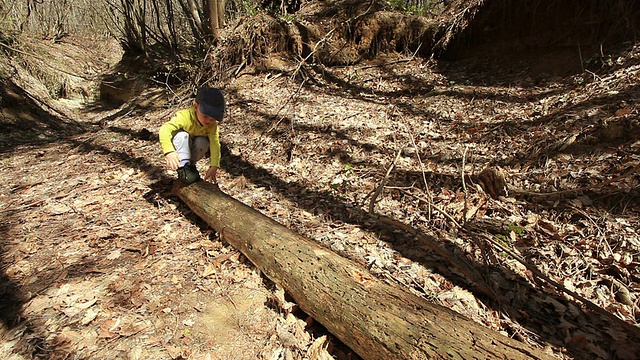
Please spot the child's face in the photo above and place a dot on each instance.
(203, 119)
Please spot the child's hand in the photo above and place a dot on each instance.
(173, 161)
(212, 175)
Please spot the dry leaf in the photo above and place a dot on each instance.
(87, 304)
(209, 270)
(318, 349)
(106, 329)
(279, 297)
(174, 352)
(89, 316)
(132, 329)
(37, 304)
(623, 112)
(114, 255)
(67, 340)
(59, 209)
(63, 289)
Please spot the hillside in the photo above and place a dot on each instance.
(479, 157)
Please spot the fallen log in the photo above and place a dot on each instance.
(375, 319)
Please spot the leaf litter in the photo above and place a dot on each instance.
(110, 265)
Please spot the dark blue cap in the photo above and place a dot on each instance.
(211, 102)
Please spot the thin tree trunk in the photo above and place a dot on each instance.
(212, 16)
(195, 14)
(221, 12)
(377, 320)
(193, 19)
(215, 15)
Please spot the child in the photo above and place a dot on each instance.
(191, 134)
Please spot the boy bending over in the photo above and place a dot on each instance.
(192, 134)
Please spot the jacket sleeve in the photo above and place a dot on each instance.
(214, 147)
(167, 130)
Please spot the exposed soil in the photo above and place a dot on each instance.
(101, 261)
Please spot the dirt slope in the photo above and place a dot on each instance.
(100, 261)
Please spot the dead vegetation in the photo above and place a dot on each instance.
(101, 261)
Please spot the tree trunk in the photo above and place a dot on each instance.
(212, 15)
(215, 15)
(375, 319)
(195, 15)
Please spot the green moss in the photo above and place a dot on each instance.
(519, 230)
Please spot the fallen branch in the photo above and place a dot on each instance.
(472, 275)
(469, 272)
(578, 190)
(625, 325)
(464, 185)
(380, 187)
(374, 318)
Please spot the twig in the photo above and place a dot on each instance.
(372, 203)
(240, 67)
(562, 288)
(43, 61)
(467, 270)
(57, 197)
(424, 177)
(326, 38)
(470, 273)
(602, 238)
(575, 191)
(304, 61)
(580, 55)
(277, 122)
(594, 75)
(25, 206)
(440, 210)
(406, 60)
(464, 185)
(530, 267)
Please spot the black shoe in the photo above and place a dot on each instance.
(188, 174)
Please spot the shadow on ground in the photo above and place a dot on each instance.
(540, 310)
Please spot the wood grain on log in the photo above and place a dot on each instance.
(375, 319)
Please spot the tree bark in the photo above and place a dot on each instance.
(195, 15)
(375, 319)
(216, 14)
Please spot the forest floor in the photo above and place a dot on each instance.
(101, 261)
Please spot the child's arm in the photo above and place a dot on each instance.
(165, 133)
(214, 153)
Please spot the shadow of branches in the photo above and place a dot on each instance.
(540, 309)
(37, 132)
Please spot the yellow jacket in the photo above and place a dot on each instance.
(185, 120)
